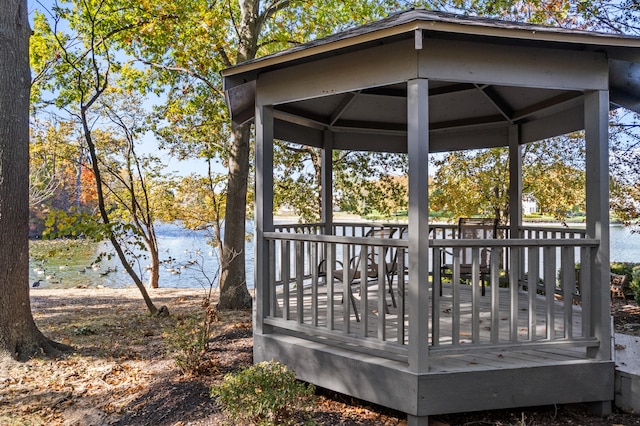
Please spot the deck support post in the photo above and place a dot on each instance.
(417, 420)
(600, 408)
(264, 214)
(418, 155)
(596, 121)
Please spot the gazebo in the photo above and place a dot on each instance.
(407, 334)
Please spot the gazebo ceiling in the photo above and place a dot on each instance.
(463, 113)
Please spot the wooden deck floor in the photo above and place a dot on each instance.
(445, 356)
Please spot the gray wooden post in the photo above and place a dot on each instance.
(264, 214)
(327, 183)
(516, 266)
(596, 118)
(515, 182)
(418, 152)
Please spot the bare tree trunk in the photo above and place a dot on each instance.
(233, 280)
(154, 272)
(19, 336)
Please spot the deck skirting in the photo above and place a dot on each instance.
(483, 386)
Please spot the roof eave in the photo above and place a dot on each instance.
(617, 45)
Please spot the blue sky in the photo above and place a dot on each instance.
(149, 143)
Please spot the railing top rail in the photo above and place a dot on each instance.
(368, 241)
(298, 225)
(516, 242)
(548, 228)
(552, 229)
(448, 243)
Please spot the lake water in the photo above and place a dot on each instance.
(187, 260)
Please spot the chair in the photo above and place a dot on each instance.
(477, 229)
(617, 285)
(393, 266)
(354, 275)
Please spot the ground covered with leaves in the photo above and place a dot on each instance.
(129, 368)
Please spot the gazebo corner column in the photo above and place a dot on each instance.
(264, 215)
(516, 266)
(327, 183)
(596, 118)
(418, 155)
(515, 182)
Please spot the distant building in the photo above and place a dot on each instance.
(529, 204)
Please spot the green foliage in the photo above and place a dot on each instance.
(266, 394)
(62, 224)
(472, 183)
(553, 172)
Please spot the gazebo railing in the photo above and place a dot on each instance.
(533, 305)
(307, 295)
(529, 302)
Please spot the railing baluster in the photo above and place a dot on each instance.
(550, 288)
(364, 290)
(286, 278)
(495, 295)
(533, 274)
(314, 283)
(299, 248)
(330, 267)
(347, 297)
(568, 285)
(436, 300)
(271, 290)
(382, 293)
(586, 258)
(455, 288)
(401, 294)
(475, 294)
(513, 293)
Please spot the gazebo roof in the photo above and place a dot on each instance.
(404, 23)
(472, 109)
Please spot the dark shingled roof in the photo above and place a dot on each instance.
(438, 20)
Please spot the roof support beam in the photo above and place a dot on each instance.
(554, 102)
(344, 104)
(494, 97)
(522, 66)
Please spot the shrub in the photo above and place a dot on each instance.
(189, 341)
(635, 278)
(265, 394)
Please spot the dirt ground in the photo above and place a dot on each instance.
(123, 370)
